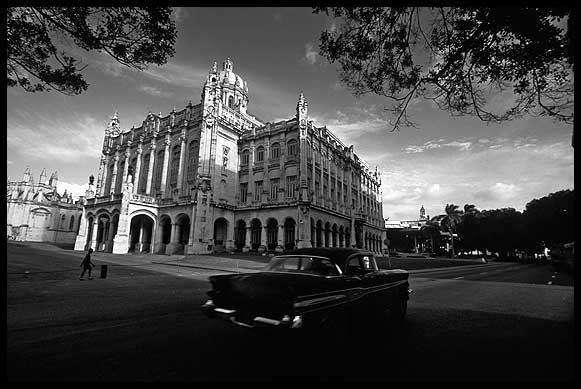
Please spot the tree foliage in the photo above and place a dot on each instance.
(135, 37)
(459, 57)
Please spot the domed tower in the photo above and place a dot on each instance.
(230, 88)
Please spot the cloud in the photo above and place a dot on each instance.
(430, 145)
(76, 189)
(53, 137)
(151, 90)
(497, 192)
(311, 55)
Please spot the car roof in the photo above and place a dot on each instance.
(337, 254)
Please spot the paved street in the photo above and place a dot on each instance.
(143, 323)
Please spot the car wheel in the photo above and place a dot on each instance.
(399, 310)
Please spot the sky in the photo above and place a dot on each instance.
(457, 160)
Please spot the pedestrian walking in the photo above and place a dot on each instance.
(87, 265)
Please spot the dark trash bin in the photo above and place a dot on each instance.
(103, 271)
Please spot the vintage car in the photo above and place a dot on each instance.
(309, 288)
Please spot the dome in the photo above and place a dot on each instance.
(227, 76)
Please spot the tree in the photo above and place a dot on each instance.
(449, 220)
(459, 57)
(468, 228)
(134, 37)
(550, 219)
(431, 229)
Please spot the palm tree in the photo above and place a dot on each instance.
(430, 229)
(449, 221)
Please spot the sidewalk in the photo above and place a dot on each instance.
(230, 263)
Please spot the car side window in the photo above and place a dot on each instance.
(359, 265)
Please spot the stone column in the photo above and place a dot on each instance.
(262, 248)
(141, 233)
(171, 246)
(247, 240)
(315, 194)
(321, 181)
(280, 239)
(330, 205)
(81, 240)
(181, 163)
(94, 235)
(125, 169)
(165, 168)
(151, 165)
(137, 172)
(114, 174)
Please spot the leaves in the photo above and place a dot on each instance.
(133, 36)
(457, 57)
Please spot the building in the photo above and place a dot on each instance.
(212, 177)
(38, 213)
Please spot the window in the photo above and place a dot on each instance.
(292, 147)
(175, 161)
(291, 186)
(245, 157)
(260, 154)
(193, 155)
(63, 221)
(257, 190)
(275, 151)
(72, 223)
(274, 185)
(231, 102)
(243, 193)
(159, 169)
(142, 184)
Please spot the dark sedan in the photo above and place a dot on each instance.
(309, 288)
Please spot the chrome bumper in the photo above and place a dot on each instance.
(259, 321)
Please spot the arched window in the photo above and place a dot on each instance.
(72, 223)
(244, 157)
(158, 169)
(193, 155)
(62, 221)
(260, 154)
(142, 183)
(292, 147)
(275, 151)
(231, 102)
(175, 161)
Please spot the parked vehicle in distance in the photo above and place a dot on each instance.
(310, 288)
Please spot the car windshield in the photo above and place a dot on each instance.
(303, 264)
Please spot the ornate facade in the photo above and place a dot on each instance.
(212, 177)
(38, 213)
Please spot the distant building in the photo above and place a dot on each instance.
(213, 177)
(36, 212)
(404, 235)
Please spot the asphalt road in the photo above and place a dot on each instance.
(140, 324)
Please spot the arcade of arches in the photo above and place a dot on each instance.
(171, 236)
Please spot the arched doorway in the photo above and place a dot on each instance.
(313, 233)
(289, 233)
(327, 234)
(347, 237)
(255, 234)
(183, 233)
(335, 235)
(319, 233)
(164, 233)
(140, 233)
(240, 234)
(341, 236)
(103, 225)
(271, 234)
(220, 234)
